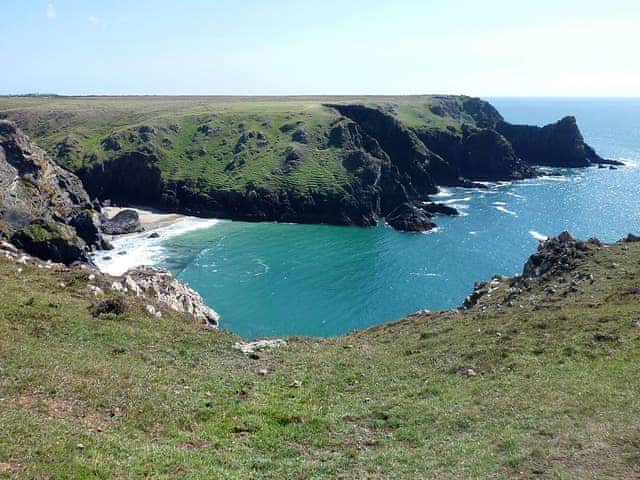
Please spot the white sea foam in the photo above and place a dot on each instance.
(138, 249)
(537, 235)
(515, 195)
(504, 210)
(442, 193)
(473, 232)
(629, 162)
(456, 200)
(499, 203)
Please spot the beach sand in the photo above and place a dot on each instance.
(149, 219)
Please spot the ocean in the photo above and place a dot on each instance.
(269, 279)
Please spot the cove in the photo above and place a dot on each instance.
(268, 279)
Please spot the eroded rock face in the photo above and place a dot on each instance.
(160, 285)
(558, 144)
(33, 186)
(41, 203)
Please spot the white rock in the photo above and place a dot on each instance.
(259, 345)
(163, 287)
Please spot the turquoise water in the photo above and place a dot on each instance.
(277, 279)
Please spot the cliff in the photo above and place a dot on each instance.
(342, 160)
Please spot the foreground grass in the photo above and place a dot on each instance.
(555, 395)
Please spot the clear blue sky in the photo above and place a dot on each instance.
(485, 48)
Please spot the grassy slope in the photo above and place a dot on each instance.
(195, 155)
(151, 398)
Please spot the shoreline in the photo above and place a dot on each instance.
(140, 248)
(150, 218)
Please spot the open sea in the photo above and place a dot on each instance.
(268, 279)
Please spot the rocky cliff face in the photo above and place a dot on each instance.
(558, 144)
(31, 185)
(341, 161)
(41, 204)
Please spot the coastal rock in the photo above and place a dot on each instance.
(51, 240)
(558, 144)
(409, 218)
(126, 221)
(631, 238)
(89, 227)
(554, 254)
(438, 208)
(160, 285)
(31, 185)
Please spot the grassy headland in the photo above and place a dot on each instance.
(342, 160)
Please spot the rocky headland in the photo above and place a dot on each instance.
(309, 159)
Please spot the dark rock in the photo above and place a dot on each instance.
(112, 306)
(126, 221)
(293, 157)
(559, 144)
(409, 218)
(154, 235)
(556, 254)
(106, 245)
(111, 143)
(631, 238)
(51, 241)
(440, 208)
(88, 226)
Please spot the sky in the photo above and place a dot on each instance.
(270, 47)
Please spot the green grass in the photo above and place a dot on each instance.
(211, 160)
(556, 393)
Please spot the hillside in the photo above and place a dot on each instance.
(537, 378)
(341, 160)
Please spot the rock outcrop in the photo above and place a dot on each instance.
(553, 255)
(558, 144)
(41, 203)
(410, 218)
(125, 221)
(51, 240)
(161, 286)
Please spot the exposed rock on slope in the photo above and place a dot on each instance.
(161, 286)
(32, 185)
(42, 204)
(52, 241)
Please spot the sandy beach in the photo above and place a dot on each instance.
(150, 219)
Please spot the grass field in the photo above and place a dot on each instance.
(545, 389)
(224, 143)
